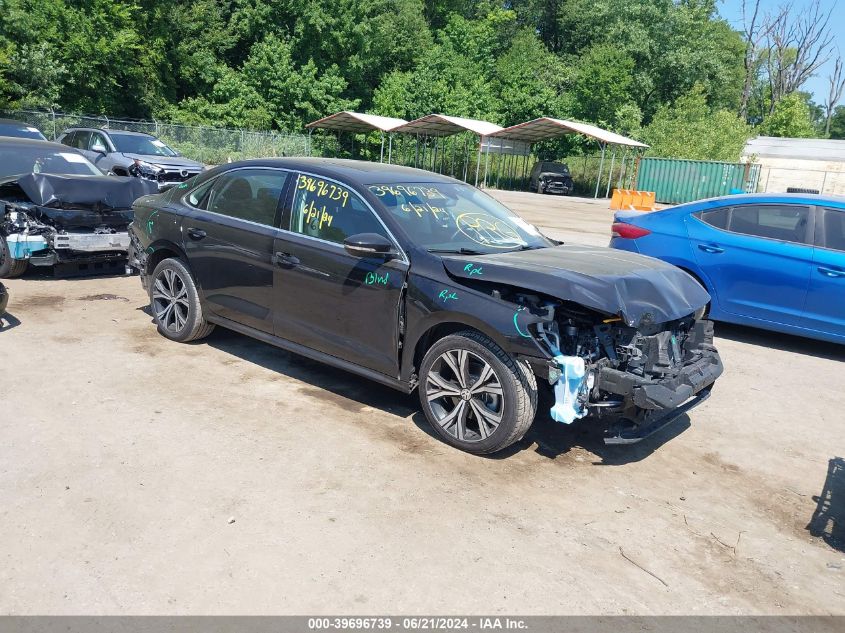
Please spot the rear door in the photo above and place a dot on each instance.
(228, 236)
(327, 299)
(757, 258)
(825, 307)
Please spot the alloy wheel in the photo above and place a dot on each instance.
(465, 395)
(170, 300)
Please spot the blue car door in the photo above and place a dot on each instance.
(825, 307)
(757, 258)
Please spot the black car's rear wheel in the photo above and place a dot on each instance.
(10, 268)
(476, 397)
(175, 303)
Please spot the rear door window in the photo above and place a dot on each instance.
(330, 211)
(787, 223)
(81, 140)
(247, 194)
(717, 218)
(833, 229)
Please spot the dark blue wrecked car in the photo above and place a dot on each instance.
(422, 282)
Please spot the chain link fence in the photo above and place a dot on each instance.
(209, 145)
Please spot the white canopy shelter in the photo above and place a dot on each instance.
(357, 123)
(546, 128)
(442, 125)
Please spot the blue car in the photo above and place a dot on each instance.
(774, 261)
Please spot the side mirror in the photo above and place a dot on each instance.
(369, 245)
(99, 148)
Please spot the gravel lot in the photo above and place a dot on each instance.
(142, 476)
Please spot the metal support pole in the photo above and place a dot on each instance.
(486, 166)
(434, 154)
(417, 152)
(610, 173)
(381, 155)
(601, 169)
(622, 169)
(454, 154)
(478, 162)
(389, 148)
(308, 142)
(466, 156)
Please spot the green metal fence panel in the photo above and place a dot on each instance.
(675, 181)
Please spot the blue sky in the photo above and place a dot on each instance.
(731, 10)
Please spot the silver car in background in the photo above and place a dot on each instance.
(124, 153)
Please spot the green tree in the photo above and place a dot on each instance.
(601, 84)
(690, 129)
(790, 118)
(837, 123)
(528, 81)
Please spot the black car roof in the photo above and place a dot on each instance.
(106, 131)
(13, 141)
(354, 171)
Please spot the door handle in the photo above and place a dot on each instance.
(196, 234)
(831, 272)
(711, 248)
(285, 259)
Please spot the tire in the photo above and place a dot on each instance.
(800, 190)
(175, 303)
(10, 268)
(478, 419)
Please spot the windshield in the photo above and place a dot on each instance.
(456, 218)
(134, 144)
(16, 160)
(21, 130)
(555, 168)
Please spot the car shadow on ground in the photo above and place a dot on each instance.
(828, 520)
(551, 439)
(8, 321)
(359, 392)
(783, 342)
(547, 438)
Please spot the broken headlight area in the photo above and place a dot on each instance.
(45, 237)
(48, 219)
(143, 169)
(635, 378)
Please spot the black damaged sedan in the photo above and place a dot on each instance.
(419, 281)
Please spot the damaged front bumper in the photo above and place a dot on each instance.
(636, 404)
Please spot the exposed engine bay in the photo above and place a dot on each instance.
(48, 219)
(632, 376)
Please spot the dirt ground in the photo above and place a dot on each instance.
(142, 476)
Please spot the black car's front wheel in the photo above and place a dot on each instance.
(475, 396)
(175, 303)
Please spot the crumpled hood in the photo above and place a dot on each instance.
(166, 161)
(64, 191)
(640, 289)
